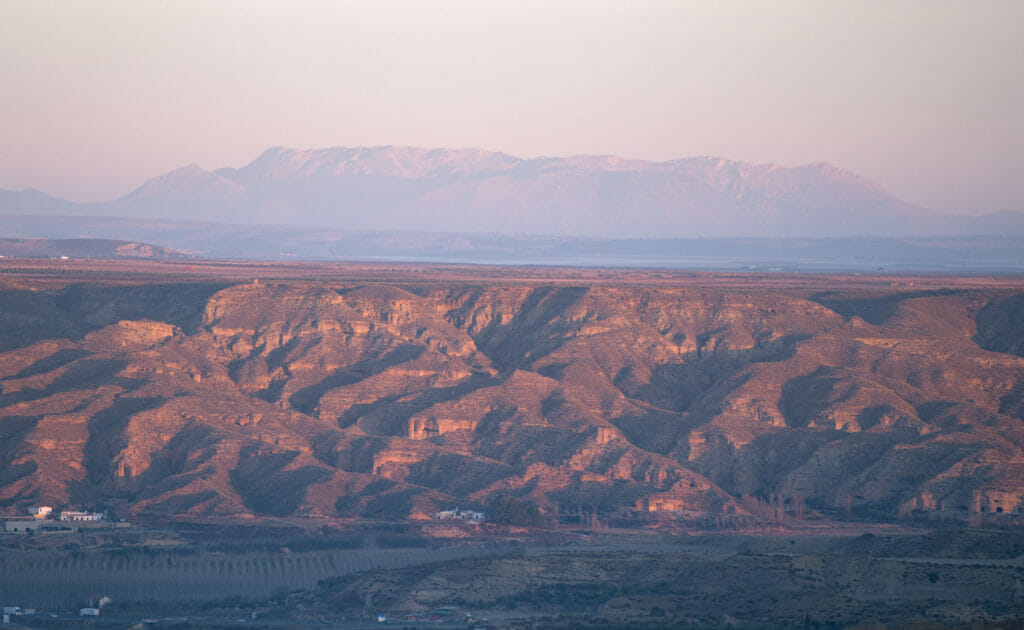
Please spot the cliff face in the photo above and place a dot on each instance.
(393, 402)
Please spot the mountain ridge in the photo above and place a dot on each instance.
(85, 248)
(394, 400)
(472, 190)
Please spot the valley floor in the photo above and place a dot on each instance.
(943, 578)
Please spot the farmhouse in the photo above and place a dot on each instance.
(80, 516)
(44, 520)
(461, 515)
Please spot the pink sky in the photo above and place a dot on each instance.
(925, 97)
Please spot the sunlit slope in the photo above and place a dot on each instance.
(393, 402)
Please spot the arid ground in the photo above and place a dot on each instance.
(647, 441)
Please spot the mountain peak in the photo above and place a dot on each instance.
(186, 181)
(473, 190)
(31, 199)
(829, 171)
(387, 160)
(189, 170)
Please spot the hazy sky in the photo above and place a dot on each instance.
(925, 97)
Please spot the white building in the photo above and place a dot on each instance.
(80, 516)
(461, 515)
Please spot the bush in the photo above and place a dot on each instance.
(508, 511)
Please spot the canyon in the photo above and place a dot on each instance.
(632, 399)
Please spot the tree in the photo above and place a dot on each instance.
(508, 511)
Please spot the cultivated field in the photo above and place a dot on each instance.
(135, 577)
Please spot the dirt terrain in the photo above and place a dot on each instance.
(949, 578)
(607, 397)
(698, 583)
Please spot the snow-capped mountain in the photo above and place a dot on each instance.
(469, 190)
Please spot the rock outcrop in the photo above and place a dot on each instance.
(617, 401)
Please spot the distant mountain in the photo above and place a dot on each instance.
(31, 200)
(474, 191)
(192, 193)
(84, 248)
(593, 196)
(1002, 222)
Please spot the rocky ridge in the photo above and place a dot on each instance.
(626, 403)
(85, 248)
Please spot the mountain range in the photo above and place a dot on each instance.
(625, 400)
(475, 191)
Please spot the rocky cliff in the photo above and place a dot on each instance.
(632, 402)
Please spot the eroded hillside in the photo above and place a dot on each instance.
(388, 401)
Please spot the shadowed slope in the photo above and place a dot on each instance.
(628, 401)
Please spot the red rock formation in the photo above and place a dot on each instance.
(384, 401)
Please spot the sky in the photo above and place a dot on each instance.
(925, 97)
